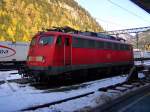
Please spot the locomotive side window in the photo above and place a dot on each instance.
(79, 42)
(109, 45)
(33, 42)
(121, 47)
(97, 44)
(59, 40)
(124, 47)
(128, 47)
(106, 45)
(87, 43)
(67, 42)
(74, 41)
(116, 46)
(44, 40)
(100, 44)
(113, 46)
(91, 43)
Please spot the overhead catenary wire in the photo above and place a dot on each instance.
(134, 14)
(107, 21)
(110, 22)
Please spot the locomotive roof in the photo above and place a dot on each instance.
(95, 38)
(78, 35)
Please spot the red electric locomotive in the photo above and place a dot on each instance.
(55, 53)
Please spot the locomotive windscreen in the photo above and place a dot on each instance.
(44, 40)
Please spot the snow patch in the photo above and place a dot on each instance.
(27, 96)
(9, 75)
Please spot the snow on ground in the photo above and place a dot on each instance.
(85, 103)
(146, 63)
(137, 62)
(25, 96)
(9, 75)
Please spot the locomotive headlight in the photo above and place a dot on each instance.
(30, 58)
(40, 58)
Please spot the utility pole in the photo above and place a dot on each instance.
(137, 40)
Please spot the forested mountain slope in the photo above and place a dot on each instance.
(21, 19)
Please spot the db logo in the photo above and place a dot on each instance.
(6, 51)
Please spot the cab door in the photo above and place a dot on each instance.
(67, 50)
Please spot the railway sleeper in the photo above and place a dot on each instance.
(117, 89)
(128, 86)
(122, 89)
(109, 87)
(136, 84)
(147, 80)
(113, 91)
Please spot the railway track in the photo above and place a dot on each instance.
(120, 89)
(55, 90)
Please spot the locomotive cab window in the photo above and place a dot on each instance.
(33, 42)
(67, 42)
(59, 41)
(46, 40)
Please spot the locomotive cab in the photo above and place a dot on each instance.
(49, 53)
(41, 51)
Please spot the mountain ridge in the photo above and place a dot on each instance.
(21, 19)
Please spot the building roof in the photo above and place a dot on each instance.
(144, 4)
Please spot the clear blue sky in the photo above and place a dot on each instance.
(116, 14)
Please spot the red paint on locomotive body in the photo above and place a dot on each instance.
(56, 52)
